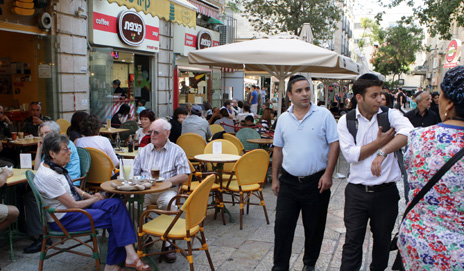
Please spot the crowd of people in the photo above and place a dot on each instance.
(373, 133)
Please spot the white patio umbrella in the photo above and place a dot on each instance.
(280, 56)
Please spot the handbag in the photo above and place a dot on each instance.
(397, 265)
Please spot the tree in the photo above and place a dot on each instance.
(276, 16)
(372, 33)
(436, 15)
(398, 50)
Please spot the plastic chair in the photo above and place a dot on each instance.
(85, 161)
(194, 180)
(101, 169)
(215, 128)
(250, 172)
(238, 144)
(132, 126)
(169, 226)
(64, 125)
(248, 133)
(63, 236)
(192, 144)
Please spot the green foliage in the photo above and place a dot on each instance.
(277, 16)
(437, 15)
(397, 51)
(372, 33)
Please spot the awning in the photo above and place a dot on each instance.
(206, 8)
(214, 21)
(178, 11)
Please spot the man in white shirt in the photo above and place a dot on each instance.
(371, 193)
(196, 124)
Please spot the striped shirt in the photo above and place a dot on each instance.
(171, 160)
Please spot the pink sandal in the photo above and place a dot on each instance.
(136, 265)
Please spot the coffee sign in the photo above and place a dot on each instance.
(204, 39)
(131, 28)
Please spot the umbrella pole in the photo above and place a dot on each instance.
(281, 93)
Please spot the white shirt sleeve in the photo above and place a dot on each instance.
(349, 149)
(398, 121)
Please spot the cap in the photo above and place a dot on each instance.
(196, 108)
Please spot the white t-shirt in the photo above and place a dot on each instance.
(139, 135)
(51, 185)
(100, 143)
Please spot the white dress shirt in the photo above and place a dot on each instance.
(360, 171)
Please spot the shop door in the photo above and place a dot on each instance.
(101, 78)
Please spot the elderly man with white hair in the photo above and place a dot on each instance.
(172, 162)
(74, 165)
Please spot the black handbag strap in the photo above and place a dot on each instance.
(433, 181)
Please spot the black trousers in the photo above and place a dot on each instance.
(381, 208)
(294, 197)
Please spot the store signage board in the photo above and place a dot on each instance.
(193, 39)
(118, 27)
(453, 53)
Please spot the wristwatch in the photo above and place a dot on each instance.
(381, 153)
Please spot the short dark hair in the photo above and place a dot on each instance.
(227, 102)
(364, 82)
(435, 94)
(52, 142)
(116, 82)
(90, 126)
(142, 101)
(124, 109)
(294, 79)
(240, 104)
(76, 119)
(249, 118)
(181, 110)
(246, 107)
(148, 113)
(224, 112)
(388, 98)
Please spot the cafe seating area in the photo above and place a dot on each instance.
(219, 169)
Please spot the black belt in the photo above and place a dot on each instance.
(304, 179)
(375, 188)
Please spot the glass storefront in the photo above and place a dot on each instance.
(27, 74)
(131, 69)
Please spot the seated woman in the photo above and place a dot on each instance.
(74, 131)
(121, 116)
(54, 184)
(91, 130)
(180, 113)
(74, 165)
(146, 118)
(225, 121)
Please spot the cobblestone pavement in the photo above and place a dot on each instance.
(230, 247)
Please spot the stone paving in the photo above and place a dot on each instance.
(230, 247)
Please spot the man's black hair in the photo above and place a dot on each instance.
(364, 82)
(293, 79)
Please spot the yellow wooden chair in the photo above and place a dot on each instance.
(250, 174)
(194, 180)
(238, 144)
(170, 227)
(192, 144)
(216, 128)
(101, 169)
(64, 125)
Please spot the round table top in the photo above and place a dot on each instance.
(260, 140)
(217, 157)
(156, 188)
(105, 130)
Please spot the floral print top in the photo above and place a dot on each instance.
(432, 235)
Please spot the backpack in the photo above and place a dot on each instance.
(382, 120)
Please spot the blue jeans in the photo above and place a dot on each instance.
(110, 214)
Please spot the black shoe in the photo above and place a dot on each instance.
(308, 268)
(170, 257)
(36, 246)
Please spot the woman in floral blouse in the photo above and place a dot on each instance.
(432, 235)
